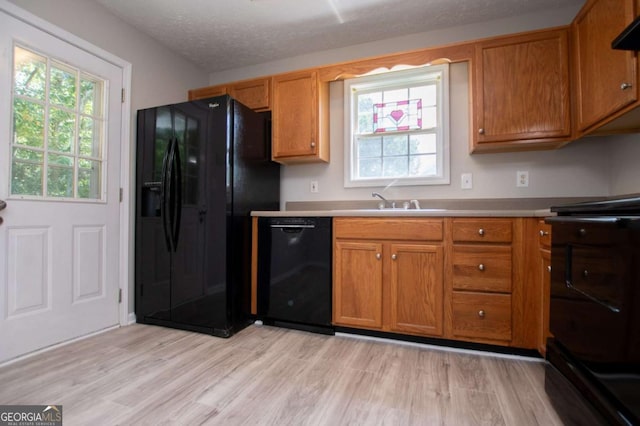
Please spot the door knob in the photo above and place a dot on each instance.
(394, 256)
(481, 266)
(378, 256)
(481, 313)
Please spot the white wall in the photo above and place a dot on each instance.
(625, 164)
(595, 166)
(579, 169)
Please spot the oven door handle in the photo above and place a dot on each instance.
(568, 281)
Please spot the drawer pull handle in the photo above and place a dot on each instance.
(625, 86)
(481, 131)
(378, 256)
(585, 273)
(582, 232)
(394, 256)
(543, 233)
(481, 266)
(481, 232)
(481, 313)
(313, 144)
(549, 268)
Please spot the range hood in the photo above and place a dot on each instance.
(629, 38)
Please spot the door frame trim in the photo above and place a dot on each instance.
(125, 275)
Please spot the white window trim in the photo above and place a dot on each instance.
(350, 120)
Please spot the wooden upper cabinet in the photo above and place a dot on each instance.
(521, 92)
(300, 118)
(207, 92)
(256, 93)
(606, 79)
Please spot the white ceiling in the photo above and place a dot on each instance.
(226, 34)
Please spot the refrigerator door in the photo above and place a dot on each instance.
(187, 211)
(153, 260)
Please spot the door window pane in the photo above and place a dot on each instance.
(28, 123)
(62, 90)
(58, 128)
(62, 127)
(26, 172)
(30, 74)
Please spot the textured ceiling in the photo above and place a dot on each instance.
(225, 34)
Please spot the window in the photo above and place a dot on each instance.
(397, 128)
(58, 126)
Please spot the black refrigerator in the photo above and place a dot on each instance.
(202, 167)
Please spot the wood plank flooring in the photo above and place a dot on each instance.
(147, 375)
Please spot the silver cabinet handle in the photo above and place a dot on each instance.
(313, 144)
(481, 232)
(625, 86)
(378, 256)
(394, 256)
(543, 233)
(481, 266)
(481, 313)
(481, 131)
(549, 268)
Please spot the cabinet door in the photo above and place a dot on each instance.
(296, 118)
(417, 288)
(357, 284)
(606, 78)
(207, 92)
(522, 90)
(253, 93)
(545, 264)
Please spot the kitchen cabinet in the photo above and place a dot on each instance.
(521, 94)
(606, 80)
(480, 282)
(388, 275)
(357, 286)
(544, 244)
(300, 122)
(255, 93)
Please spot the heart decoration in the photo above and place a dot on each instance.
(396, 114)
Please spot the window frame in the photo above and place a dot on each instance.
(394, 79)
(50, 62)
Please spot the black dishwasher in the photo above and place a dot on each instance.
(294, 272)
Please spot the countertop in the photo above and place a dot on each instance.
(511, 207)
(404, 213)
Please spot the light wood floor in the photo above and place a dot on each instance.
(147, 375)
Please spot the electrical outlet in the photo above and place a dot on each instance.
(466, 181)
(522, 178)
(313, 186)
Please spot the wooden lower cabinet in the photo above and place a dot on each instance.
(482, 316)
(468, 279)
(388, 285)
(416, 289)
(357, 287)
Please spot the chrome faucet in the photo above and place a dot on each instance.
(385, 201)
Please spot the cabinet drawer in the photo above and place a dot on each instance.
(389, 229)
(482, 230)
(484, 268)
(481, 315)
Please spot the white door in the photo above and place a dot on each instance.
(60, 118)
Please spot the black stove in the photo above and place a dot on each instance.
(595, 306)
